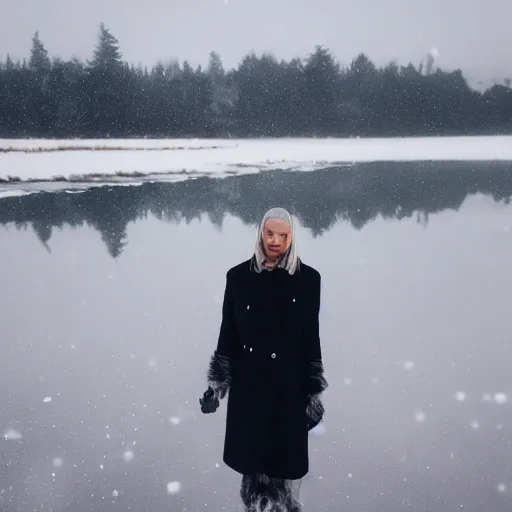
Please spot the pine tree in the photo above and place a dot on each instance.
(9, 65)
(39, 60)
(321, 91)
(429, 66)
(107, 88)
(220, 93)
(106, 54)
(215, 66)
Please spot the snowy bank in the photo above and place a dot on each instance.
(126, 159)
(50, 145)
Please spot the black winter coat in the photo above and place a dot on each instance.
(269, 357)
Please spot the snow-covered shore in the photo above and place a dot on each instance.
(83, 160)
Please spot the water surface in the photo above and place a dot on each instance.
(109, 310)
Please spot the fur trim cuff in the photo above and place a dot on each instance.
(314, 411)
(219, 374)
(316, 383)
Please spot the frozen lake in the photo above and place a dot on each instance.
(110, 307)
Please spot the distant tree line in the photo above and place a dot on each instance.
(106, 97)
(321, 199)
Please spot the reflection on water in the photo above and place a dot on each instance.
(103, 359)
(358, 194)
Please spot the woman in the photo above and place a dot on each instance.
(269, 358)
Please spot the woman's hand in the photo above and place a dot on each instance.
(209, 403)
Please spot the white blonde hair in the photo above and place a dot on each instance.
(290, 260)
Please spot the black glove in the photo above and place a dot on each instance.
(209, 402)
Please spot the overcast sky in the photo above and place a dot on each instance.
(474, 35)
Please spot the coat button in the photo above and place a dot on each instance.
(250, 350)
(248, 307)
(273, 356)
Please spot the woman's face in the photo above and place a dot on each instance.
(276, 238)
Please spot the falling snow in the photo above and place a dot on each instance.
(420, 416)
(173, 487)
(12, 435)
(434, 52)
(128, 455)
(500, 398)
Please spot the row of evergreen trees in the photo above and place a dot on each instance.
(106, 97)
